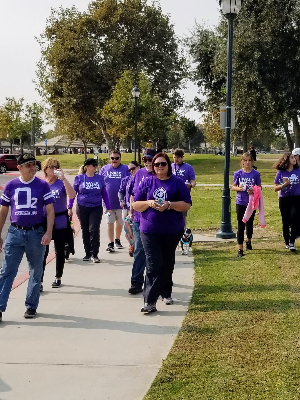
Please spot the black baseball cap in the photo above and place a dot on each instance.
(149, 153)
(90, 161)
(25, 158)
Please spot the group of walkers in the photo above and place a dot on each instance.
(249, 197)
(150, 201)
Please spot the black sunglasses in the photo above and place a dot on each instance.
(114, 158)
(131, 169)
(145, 159)
(160, 164)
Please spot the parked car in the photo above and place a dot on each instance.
(8, 162)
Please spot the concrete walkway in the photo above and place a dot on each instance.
(90, 340)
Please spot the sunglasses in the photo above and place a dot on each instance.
(131, 169)
(115, 158)
(53, 167)
(145, 159)
(160, 164)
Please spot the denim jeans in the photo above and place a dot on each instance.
(160, 257)
(17, 243)
(139, 258)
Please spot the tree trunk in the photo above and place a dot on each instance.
(296, 130)
(245, 141)
(288, 136)
(139, 153)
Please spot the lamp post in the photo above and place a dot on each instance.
(230, 9)
(135, 94)
(33, 116)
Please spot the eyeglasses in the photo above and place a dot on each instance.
(114, 158)
(145, 159)
(160, 164)
(131, 169)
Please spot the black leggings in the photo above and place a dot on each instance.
(90, 220)
(240, 211)
(60, 238)
(290, 214)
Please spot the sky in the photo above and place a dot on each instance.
(23, 20)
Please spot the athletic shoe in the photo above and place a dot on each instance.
(184, 252)
(149, 308)
(56, 283)
(0, 316)
(41, 288)
(118, 244)
(131, 250)
(287, 246)
(30, 313)
(168, 300)
(95, 259)
(110, 247)
(86, 258)
(135, 289)
(240, 253)
(248, 246)
(292, 247)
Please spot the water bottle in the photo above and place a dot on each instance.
(57, 173)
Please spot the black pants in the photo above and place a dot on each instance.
(290, 214)
(60, 237)
(240, 211)
(90, 220)
(160, 261)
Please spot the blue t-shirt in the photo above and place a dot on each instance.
(184, 171)
(293, 189)
(247, 179)
(169, 221)
(90, 191)
(112, 179)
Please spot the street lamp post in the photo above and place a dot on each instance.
(135, 94)
(33, 116)
(230, 9)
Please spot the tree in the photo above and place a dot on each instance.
(214, 135)
(189, 129)
(84, 55)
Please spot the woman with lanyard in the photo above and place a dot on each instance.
(90, 189)
(243, 180)
(124, 198)
(161, 199)
(61, 188)
(287, 183)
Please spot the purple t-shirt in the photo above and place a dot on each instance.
(90, 191)
(124, 189)
(112, 179)
(27, 200)
(247, 179)
(138, 178)
(293, 189)
(184, 171)
(59, 193)
(168, 221)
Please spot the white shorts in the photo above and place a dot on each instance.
(115, 215)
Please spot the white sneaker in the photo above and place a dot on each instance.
(168, 300)
(292, 247)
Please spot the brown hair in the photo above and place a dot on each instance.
(244, 156)
(178, 153)
(166, 157)
(115, 151)
(284, 162)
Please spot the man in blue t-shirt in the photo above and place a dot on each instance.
(27, 196)
(182, 169)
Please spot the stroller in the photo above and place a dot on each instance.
(187, 239)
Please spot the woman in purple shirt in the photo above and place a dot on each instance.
(161, 199)
(60, 188)
(90, 189)
(243, 180)
(287, 183)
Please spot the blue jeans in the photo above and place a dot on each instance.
(139, 257)
(17, 243)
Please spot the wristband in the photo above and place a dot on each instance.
(169, 206)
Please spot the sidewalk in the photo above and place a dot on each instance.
(90, 340)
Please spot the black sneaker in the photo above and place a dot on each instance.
(86, 258)
(41, 288)
(248, 246)
(0, 316)
(149, 308)
(110, 247)
(30, 313)
(292, 247)
(56, 283)
(240, 253)
(95, 259)
(118, 244)
(135, 289)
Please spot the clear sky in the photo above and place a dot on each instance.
(23, 20)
